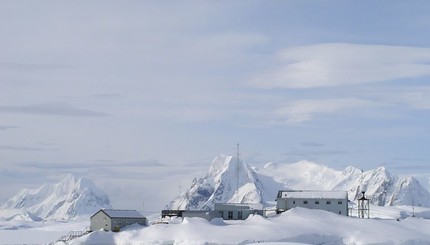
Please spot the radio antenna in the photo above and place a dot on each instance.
(238, 168)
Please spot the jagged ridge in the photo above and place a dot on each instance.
(220, 186)
(65, 200)
(260, 185)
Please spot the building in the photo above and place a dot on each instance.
(114, 220)
(237, 211)
(332, 201)
(226, 211)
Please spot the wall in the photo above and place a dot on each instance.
(100, 221)
(284, 204)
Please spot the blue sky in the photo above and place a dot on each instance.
(147, 93)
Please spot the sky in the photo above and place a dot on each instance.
(140, 96)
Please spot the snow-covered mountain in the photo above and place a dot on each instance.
(220, 186)
(65, 200)
(382, 187)
(17, 215)
(261, 185)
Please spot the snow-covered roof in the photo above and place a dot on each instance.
(258, 206)
(116, 213)
(313, 194)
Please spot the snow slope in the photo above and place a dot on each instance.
(65, 200)
(17, 214)
(298, 225)
(261, 185)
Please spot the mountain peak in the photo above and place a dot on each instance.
(69, 198)
(228, 179)
(261, 185)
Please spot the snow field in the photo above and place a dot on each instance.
(299, 225)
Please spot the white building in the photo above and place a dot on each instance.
(332, 201)
(114, 220)
(237, 211)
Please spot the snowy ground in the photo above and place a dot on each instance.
(297, 226)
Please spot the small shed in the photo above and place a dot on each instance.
(114, 219)
(332, 201)
(238, 211)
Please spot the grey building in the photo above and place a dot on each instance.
(332, 201)
(237, 211)
(226, 211)
(114, 220)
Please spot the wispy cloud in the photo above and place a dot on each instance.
(4, 127)
(305, 110)
(100, 164)
(21, 148)
(336, 64)
(418, 98)
(56, 109)
(311, 144)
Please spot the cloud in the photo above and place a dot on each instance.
(11, 66)
(100, 164)
(20, 148)
(3, 127)
(56, 109)
(305, 110)
(337, 64)
(311, 144)
(418, 98)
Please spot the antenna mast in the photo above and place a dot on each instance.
(237, 179)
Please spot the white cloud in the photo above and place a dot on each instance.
(418, 99)
(336, 64)
(305, 110)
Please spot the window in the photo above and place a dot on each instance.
(230, 214)
(328, 202)
(317, 202)
(239, 215)
(294, 202)
(339, 202)
(305, 202)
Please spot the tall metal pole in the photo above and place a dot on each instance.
(237, 179)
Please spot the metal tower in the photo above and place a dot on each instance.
(363, 206)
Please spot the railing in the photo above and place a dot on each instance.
(73, 234)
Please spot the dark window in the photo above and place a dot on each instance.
(230, 214)
(305, 202)
(317, 202)
(339, 202)
(294, 202)
(328, 202)
(239, 215)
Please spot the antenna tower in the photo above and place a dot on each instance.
(237, 179)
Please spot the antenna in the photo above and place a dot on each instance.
(180, 188)
(237, 179)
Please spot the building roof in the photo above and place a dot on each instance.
(117, 213)
(313, 194)
(258, 206)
